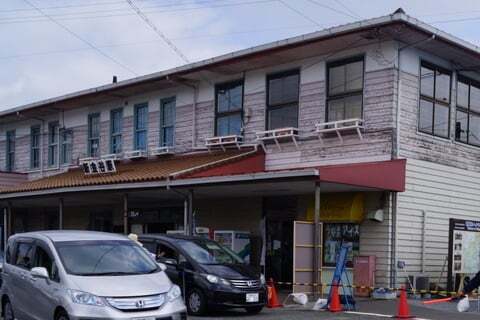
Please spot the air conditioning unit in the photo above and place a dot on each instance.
(375, 215)
(111, 156)
(160, 151)
(136, 154)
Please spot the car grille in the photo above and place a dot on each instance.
(137, 303)
(245, 284)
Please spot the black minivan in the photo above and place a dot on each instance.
(209, 274)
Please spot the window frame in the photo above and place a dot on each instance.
(347, 94)
(10, 150)
(53, 145)
(230, 85)
(35, 149)
(470, 82)
(136, 131)
(90, 138)
(63, 144)
(116, 134)
(434, 100)
(40, 245)
(276, 75)
(164, 102)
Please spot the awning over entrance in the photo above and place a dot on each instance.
(174, 167)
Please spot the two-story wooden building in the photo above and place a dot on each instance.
(370, 128)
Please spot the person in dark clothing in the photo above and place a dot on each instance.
(471, 285)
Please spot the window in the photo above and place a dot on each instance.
(52, 143)
(167, 122)
(345, 89)
(282, 100)
(335, 234)
(116, 127)
(165, 252)
(35, 147)
(10, 151)
(94, 135)
(141, 124)
(24, 255)
(43, 260)
(467, 124)
(66, 143)
(434, 114)
(229, 108)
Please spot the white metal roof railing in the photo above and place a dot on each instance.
(355, 124)
(224, 141)
(276, 135)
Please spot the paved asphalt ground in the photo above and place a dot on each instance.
(444, 311)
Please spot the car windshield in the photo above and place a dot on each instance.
(97, 258)
(209, 252)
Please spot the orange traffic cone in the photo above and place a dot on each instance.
(403, 309)
(335, 305)
(272, 298)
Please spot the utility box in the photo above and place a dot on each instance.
(364, 274)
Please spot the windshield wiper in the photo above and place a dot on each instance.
(116, 273)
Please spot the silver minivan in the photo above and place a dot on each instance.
(70, 275)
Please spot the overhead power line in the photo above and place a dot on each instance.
(88, 43)
(157, 31)
(348, 9)
(299, 12)
(332, 9)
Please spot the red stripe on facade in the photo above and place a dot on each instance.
(251, 164)
(384, 175)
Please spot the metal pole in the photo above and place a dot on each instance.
(9, 218)
(316, 239)
(125, 214)
(60, 214)
(185, 216)
(5, 228)
(190, 212)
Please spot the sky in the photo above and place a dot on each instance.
(54, 47)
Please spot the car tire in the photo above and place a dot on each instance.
(196, 302)
(254, 310)
(62, 315)
(8, 310)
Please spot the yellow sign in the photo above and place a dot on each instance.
(338, 207)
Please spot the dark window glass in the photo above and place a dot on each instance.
(8, 254)
(434, 113)
(10, 151)
(53, 144)
(467, 123)
(35, 147)
(94, 135)
(167, 122)
(66, 143)
(24, 255)
(335, 234)
(116, 127)
(43, 259)
(150, 246)
(345, 90)
(426, 116)
(141, 124)
(461, 126)
(116, 258)
(283, 94)
(229, 109)
(165, 252)
(209, 252)
(474, 130)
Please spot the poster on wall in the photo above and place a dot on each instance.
(464, 247)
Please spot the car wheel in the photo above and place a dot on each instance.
(61, 315)
(8, 311)
(196, 302)
(254, 310)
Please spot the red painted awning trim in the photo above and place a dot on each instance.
(384, 175)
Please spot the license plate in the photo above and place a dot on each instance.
(252, 297)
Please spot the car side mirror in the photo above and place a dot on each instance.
(162, 266)
(39, 272)
(171, 262)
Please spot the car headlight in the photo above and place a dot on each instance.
(86, 298)
(262, 279)
(215, 280)
(174, 293)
